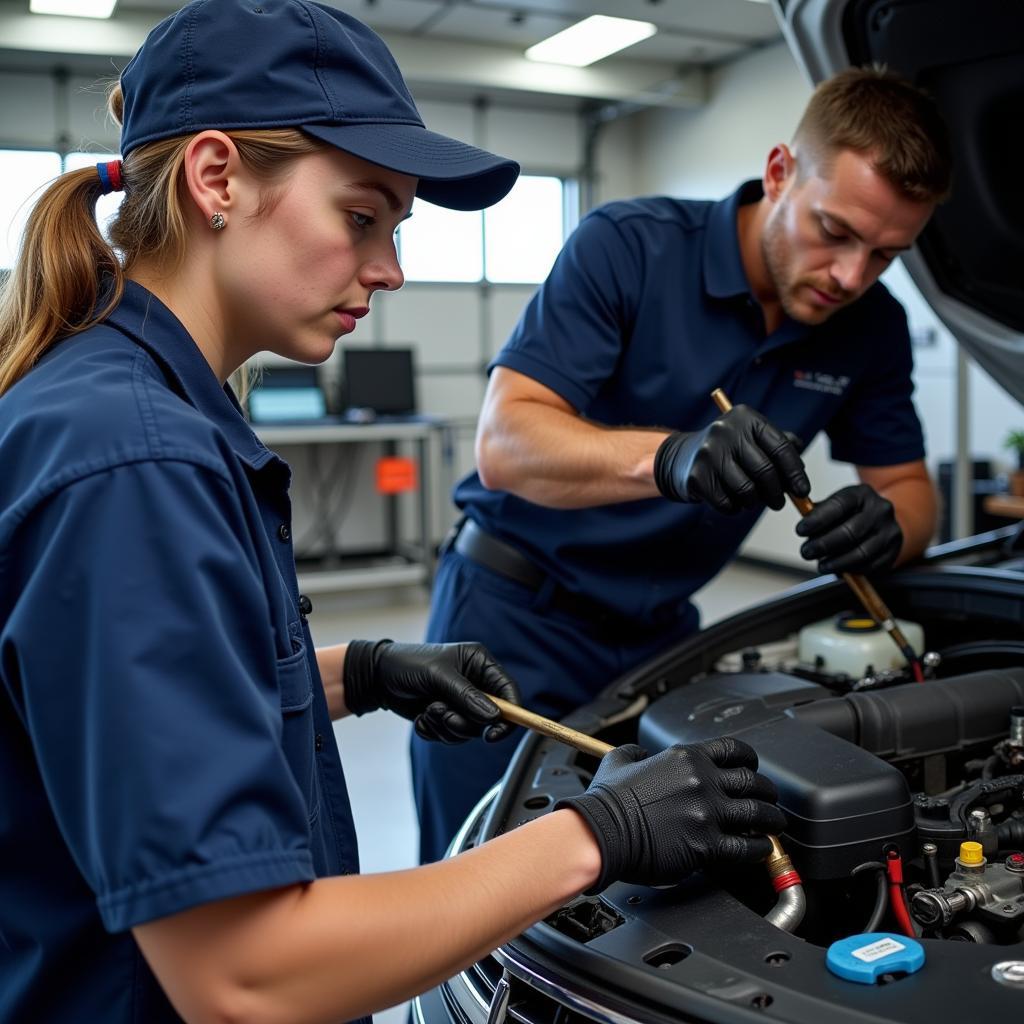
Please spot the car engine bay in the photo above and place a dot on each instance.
(904, 802)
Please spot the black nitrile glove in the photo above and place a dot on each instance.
(853, 530)
(737, 461)
(658, 818)
(440, 687)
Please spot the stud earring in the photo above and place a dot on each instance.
(217, 221)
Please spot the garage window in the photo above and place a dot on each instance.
(23, 175)
(513, 242)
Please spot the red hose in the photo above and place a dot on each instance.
(897, 901)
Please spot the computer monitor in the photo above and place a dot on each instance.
(287, 394)
(378, 380)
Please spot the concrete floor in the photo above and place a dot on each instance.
(375, 747)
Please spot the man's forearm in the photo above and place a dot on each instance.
(916, 508)
(560, 460)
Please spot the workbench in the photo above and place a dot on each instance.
(405, 562)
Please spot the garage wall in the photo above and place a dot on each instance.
(754, 103)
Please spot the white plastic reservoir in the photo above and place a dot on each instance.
(853, 644)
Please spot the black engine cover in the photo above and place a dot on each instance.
(844, 803)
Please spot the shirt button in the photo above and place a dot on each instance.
(318, 742)
(284, 533)
(305, 605)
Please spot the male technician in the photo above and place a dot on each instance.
(609, 487)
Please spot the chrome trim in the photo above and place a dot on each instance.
(455, 847)
(498, 1010)
(417, 1011)
(555, 990)
(467, 982)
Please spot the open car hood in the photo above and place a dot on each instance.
(969, 260)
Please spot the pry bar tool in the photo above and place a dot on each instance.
(538, 723)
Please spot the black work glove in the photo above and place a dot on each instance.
(658, 818)
(737, 461)
(441, 688)
(853, 530)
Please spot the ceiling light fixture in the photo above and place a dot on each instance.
(590, 40)
(74, 8)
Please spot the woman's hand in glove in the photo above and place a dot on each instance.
(442, 688)
(658, 818)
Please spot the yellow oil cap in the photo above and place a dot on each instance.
(970, 853)
(849, 622)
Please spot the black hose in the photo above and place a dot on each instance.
(1011, 833)
(882, 895)
(881, 902)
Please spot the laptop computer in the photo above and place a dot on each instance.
(287, 394)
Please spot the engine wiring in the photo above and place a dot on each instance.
(897, 897)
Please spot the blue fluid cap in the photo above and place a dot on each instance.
(865, 958)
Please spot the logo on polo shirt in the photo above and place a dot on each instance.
(816, 380)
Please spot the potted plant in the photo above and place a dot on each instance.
(1015, 443)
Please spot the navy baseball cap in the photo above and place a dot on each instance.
(249, 64)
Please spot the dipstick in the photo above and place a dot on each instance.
(860, 585)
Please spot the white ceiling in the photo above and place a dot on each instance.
(700, 31)
(691, 34)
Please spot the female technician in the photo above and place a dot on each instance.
(175, 837)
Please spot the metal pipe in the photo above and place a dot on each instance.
(931, 865)
(963, 471)
(789, 911)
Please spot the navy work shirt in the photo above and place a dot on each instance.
(164, 736)
(646, 311)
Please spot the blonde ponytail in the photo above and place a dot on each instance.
(54, 288)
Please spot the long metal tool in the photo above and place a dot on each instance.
(860, 585)
(538, 723)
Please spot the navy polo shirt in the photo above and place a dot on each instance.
(646, 311)
(164, 736)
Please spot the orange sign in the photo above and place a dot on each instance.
(396, 475)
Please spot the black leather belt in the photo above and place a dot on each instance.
(478, 546)
(473, 543)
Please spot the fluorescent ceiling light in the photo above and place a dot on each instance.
(74, 8)
(590, 40)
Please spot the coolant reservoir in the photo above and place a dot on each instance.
(851, 644)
